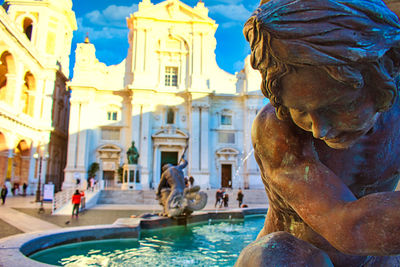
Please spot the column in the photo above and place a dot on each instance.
(204, 146)
(156, 166)
(39, 99)
(76, 146)
(145, 147)
(194, 140)
(48, 101)
(19, 81)
(11, 87)
(136, 121)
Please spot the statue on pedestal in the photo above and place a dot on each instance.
(328, 144)
(174, 196)
(132, 154)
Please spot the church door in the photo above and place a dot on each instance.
(108, 177)
(169, 157)
(226, 175)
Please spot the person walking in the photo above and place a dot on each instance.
(4, 192)
(218, 198)
(24, 187)
(76, 201)
(240, 197)
(226, 199)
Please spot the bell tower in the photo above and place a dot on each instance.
(48, 24)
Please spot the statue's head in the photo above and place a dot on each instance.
(336, 59)
(166, 166)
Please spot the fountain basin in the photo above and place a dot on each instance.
(14, 251)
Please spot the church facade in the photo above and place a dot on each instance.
(35, 43)
(168, 96)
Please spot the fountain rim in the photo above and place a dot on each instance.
(15, 250)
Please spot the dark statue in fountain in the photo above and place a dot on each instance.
(328, 144)
(132, 154)
(176, 199)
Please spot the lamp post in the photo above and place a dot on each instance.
(39, 185)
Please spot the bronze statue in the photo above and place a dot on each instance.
(132, 154)
(328, 144)
(174, 196)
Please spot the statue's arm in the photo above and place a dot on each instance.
(290, 166)
(183, 164)
(161, 184)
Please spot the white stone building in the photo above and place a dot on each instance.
(35, 43)
(167, 94)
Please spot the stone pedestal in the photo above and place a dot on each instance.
(131, 177)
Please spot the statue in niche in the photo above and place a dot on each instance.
(132, 154)
(328, 144)
(172, 193)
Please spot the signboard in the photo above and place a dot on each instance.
(48, 192)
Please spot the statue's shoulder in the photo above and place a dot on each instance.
(267, 125)
(274, 139)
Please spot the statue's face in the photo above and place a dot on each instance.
(334, 112)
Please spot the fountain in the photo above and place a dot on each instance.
(162, 238)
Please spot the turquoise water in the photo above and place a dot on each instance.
(213, 244)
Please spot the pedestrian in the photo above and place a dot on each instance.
(218, 197)
(4, 192)
(24, 187)
(191, 181)
(91, 183)
(83, 199)
(226, 199)
(240, 197)
(76, 201)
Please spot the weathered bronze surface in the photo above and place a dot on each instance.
(132, 154)
(175, 198)
(328, 145)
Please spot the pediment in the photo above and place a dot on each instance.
(227, 151)
(174, 10)
(170, 132)
(109, 148)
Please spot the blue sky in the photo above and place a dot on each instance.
(105, 21)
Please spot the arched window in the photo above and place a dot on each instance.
(3, 71)
(7, 68)
(28, 27)
(170, 116)
(27, 96)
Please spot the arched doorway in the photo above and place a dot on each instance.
(28, 94)
(7, 77)
(3, 158)
(21, 163)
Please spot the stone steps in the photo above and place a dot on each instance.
(132, 197)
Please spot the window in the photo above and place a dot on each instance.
(226, 138)
(27, 25)
(170, 116)
(110, 134)
(226, 120)
(171, 76)
(112, 115)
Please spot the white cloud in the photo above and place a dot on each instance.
(238, 65)
(97, 33)
(233, 12)
(111, 16)
(230, 24)
(229, 1)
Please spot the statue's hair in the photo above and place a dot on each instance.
(350, 39)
